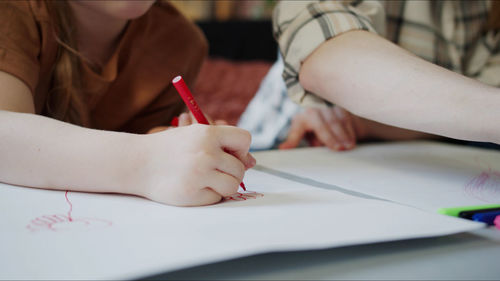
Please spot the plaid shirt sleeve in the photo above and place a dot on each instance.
(301, 26)
(484, 64)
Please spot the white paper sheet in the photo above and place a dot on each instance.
(427, 175)
(113, 236)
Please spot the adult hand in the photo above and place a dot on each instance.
(333, 127)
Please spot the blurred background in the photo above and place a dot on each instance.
(223, 10)
(241, 51)
(235, 29)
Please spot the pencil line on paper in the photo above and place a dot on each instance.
(59, 222)
(243, 196)
(70, 206)
(323, 185)
(315, 183)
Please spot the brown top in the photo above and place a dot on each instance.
(133, 92)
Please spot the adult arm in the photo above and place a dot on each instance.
(375, 79)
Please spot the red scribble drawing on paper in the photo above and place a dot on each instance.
(70, 205)
(60, 222)
(485, 186)
(242, 196)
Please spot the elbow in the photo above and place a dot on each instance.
(309, 75)
(329, 71)
(319, 75)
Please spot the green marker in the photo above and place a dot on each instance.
(455, 211)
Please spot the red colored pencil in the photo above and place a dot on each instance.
(188, 99)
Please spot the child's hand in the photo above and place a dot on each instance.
(185, 119)
(159, 129)
(189, 166)
(333, 127)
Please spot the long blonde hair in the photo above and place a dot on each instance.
(65, 99)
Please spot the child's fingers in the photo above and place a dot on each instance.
(157, 129)
(251, 161)
(205, 196)
(221, 122)
(210, 121)
(223, 184)
(236, 141)
(231, 165)
(190, 119)
(185, 119)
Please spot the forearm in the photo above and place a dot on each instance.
(41, 152)
(371, 130)
(378, 80)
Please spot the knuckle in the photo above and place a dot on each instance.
(326, 137)
(204, 132)
(203, 158)
(247, 137)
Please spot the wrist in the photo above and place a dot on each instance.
(490, 128)
(360, 127)
(131, 160)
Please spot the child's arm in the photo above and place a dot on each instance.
(183, 166)
(376, 79)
